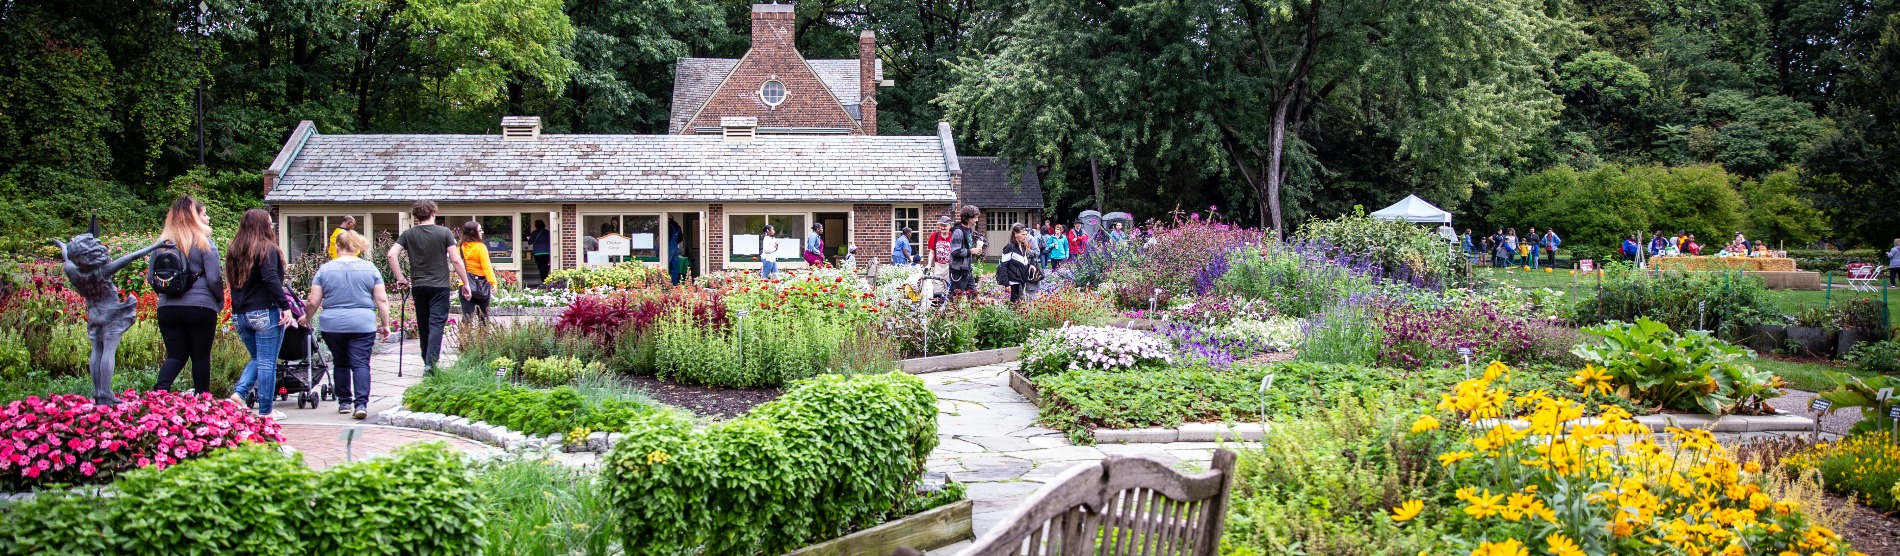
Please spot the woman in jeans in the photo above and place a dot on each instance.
(768, 252)
(349, 293)
(258, 306)
(475, 257)
(189, 321)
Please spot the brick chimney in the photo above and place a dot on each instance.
(772, 26)
(867, 81)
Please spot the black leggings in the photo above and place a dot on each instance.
(474, 312)
(188, 333)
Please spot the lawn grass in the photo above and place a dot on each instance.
(1805, 375)
(1790, 301)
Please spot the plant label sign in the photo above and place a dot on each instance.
(1587, 265)
(1819, 405)
(1893, 412)
(1883, 395)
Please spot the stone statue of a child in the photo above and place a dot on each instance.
(90, 268)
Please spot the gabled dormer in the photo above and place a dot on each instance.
(773, 83)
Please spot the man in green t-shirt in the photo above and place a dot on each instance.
(432, 254)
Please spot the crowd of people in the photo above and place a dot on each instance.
(1684, 243)
(348, 292)
(1505, 248)
(948, 254)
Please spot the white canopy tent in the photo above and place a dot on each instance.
(1413, 209)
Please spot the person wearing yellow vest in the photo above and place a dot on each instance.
(475, 257)
(348, 224)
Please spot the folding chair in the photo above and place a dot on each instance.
(1860, 277)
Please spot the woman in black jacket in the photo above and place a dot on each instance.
(1017, 268)
(258, 307)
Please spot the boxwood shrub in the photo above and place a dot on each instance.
(256, 500)
(834, 454)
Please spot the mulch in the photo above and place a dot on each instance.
(1871, 532)
(705, 401)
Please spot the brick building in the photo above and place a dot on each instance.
(767, 138)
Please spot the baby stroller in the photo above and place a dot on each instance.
(301, 368)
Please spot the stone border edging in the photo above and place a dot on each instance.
(506, 438)
(921, 365)
(1252, 432)
(926, 530)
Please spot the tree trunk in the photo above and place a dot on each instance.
(1276, 148)
(1095, 175)
(515, 97)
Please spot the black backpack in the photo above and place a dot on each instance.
(170, 271)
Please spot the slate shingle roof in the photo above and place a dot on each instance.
(696, 79)
(986, 184)
(614, 168)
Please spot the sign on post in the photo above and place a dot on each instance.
(1587, 265)
(1819, 405)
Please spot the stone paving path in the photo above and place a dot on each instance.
(987, 438)
(315, 432)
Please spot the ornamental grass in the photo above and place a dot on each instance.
(1551, 482)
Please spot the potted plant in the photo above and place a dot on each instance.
(1860, 321)
(1761, 332)
(1811, 334)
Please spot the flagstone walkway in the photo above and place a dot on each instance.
(988, 439)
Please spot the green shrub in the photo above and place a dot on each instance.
(16, 359)
(1694, 371)
(68, 351)
(1322, 485)
(254, 499)
(554, 371)
(1727, 303)
(1346, 334)
(1401, 249)
(832, 455)
(999, 326)
(1877, 357)
(141, 347)
(419, 500)
(39, 383)
(631, 274)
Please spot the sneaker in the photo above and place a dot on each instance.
(275, 415)
(361, 413)
(236, 399)
(342, 408)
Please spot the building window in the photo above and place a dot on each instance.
(1000, 221)
(498, 234)
(641, 230)
(772, 92)
(307, 235)
(744, 244)
(911, 217)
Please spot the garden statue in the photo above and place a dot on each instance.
(90, 268)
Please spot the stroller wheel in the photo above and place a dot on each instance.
(327, 393)
(303, 400)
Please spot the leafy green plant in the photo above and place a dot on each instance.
(418, 500)
(1877, 357)
(541, 507)
(832, 455)
(16, 359)
(1851, 391)
(1725, 302)
(1648, 362)
(1346, 334)
(631, 274)
(554, 371)
(141, 347)
(471, 391)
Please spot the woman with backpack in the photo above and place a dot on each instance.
(260, 306)
(1017, 270)
(190, 287)
(481, 274)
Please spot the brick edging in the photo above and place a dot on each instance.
(504, 437)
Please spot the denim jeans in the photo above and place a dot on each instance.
(350, 353)
(432, 316)
(768, 267)
(262, 337)
(1533, 257)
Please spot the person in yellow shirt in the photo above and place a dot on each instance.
(481, 274)
(348, 224)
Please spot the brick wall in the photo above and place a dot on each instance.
(867, 80)
(715, 237)
(808, 103)
(569, 253)
(873, 231)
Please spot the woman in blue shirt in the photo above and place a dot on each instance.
(900, 249)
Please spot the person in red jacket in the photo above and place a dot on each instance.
(1078, 241)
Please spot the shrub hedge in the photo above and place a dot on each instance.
(256, 500)
(834, 454)
(466, 392)
(1816, 260)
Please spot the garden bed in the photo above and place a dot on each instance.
(921, 365)
(705, 401)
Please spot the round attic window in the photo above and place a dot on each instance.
(772, 92)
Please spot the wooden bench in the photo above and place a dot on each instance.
(1121, 505)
